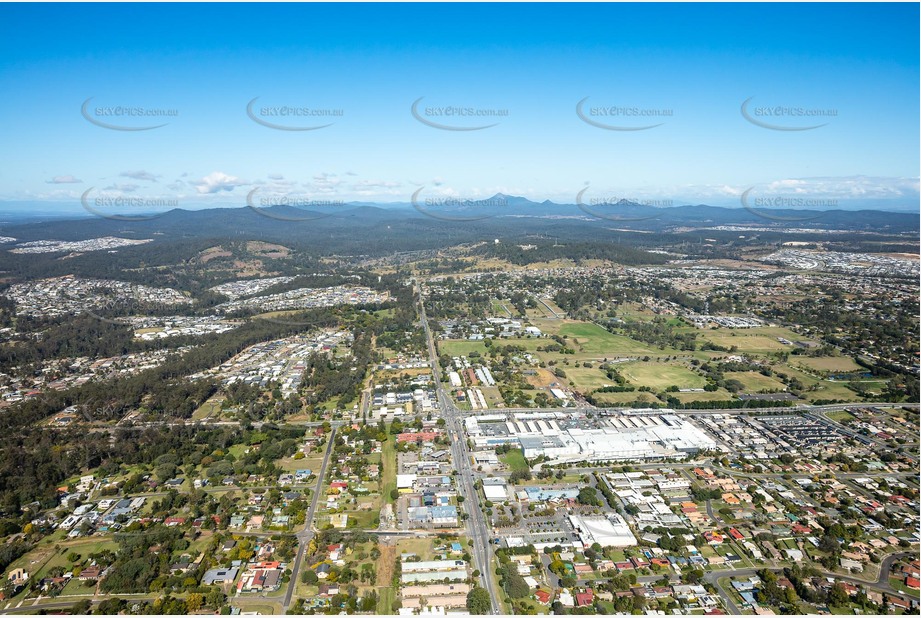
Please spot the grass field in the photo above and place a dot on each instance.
(492, 396)
(312, 463)
(840, 415)
(422, 547)
(661, 375)
(754, 382)
(827, 389)
(514, 459)
(717, 395)
(614, 399)
(389, 469)
(590, 340)
(212, 407)
(761, 340)
(586, 379)
(460, 347)
(499, 309)
(832, 364)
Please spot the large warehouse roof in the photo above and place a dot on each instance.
(603, 531)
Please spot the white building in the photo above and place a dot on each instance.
(611, 531)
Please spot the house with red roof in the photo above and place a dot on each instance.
(585, 598)
(543, 596)
(913, 582)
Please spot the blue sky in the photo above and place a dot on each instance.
(690, 66)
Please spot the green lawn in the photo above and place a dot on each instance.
(899, 584)
(661, 375)
(386, 595)
(587, 379)
(717, 395)
(593, 341)
(514, 459)
(754, 382)
(761, 340)
(460, 347)
(621, 398)
(826, 389)
(840, 415)
(828, 363)
(389, 470)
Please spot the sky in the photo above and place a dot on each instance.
(667, 103)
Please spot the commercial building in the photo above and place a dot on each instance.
(611, 531)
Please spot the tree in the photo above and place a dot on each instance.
(81, 607)
(589, 496)
(478, 602)
(216, 598)
(194, 602)
(838, 595)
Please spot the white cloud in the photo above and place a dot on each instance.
(216, 182)
(63, 180)
(140, 175)
(124, 188)
(375, 184)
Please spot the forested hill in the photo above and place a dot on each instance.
(371, 230)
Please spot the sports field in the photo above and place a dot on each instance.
(659, 376)
(590, 340)
(754, 382)
(761, 340)
(831, 364)
(460, 347)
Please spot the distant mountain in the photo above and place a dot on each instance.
(437, 222)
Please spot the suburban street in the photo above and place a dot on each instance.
(476, 524)
(307, 533)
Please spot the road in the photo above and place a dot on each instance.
(718, 520)
(476, 524)
(306, 534)
(881, 582)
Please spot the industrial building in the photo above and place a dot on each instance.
(573, 437)
(610, 531)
